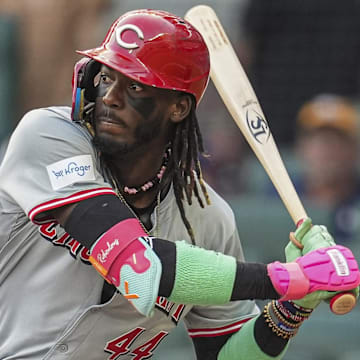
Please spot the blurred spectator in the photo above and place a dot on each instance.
(49, 31)
(297, 49)
(327, 147)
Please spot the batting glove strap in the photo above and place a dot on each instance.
(288, 280)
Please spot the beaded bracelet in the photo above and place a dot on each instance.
(277, 326)
(300, 308)
(278, 330)
(281, 317)
(289, 312)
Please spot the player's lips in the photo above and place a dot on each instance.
(106, 119)
(106, 123)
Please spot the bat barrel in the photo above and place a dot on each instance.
(240, 99)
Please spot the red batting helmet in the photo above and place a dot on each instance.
(158, 49)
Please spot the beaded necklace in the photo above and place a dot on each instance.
(122, 199)
(153, 181)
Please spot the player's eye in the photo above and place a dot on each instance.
(104, 78)
(136, 87)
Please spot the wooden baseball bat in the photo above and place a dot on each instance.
(240, 99)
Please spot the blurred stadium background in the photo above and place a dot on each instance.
(314, 49)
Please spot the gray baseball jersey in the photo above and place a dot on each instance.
(50, 294)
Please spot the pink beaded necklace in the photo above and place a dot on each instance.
(153, 181)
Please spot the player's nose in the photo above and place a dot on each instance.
(114, 96)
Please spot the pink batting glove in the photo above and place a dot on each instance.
(331, 269)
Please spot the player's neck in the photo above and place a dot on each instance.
(138, 177)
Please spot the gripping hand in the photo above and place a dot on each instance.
(308, 238)
(327, 269)
(311, 301)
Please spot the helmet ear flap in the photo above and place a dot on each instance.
(84, 89)
(92, 68)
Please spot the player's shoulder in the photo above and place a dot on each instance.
(41, 115)
(45, 118)
(54, 120)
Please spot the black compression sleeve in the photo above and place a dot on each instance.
(208, 348)
(252, 282)
(268, 341)
(166, 251)
(92, 217)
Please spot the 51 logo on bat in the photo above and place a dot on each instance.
(257, 125)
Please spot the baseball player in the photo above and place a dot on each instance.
(110, 236)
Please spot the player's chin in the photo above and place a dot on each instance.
(110, 144)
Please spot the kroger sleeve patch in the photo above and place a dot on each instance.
(50, 162)
(69, 171)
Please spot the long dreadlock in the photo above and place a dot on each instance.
(184, 166)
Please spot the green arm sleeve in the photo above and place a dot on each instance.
(202, 277)
(242, 346)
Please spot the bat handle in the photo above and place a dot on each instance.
(340, 304)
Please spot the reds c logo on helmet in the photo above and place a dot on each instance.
(158, 49)
(118, 35)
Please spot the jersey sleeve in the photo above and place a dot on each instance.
(210, 321)
(50, 162)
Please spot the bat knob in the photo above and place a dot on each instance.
(342, 303)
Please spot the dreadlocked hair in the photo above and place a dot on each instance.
(184, 166)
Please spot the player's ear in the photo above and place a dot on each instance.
(180, 109)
